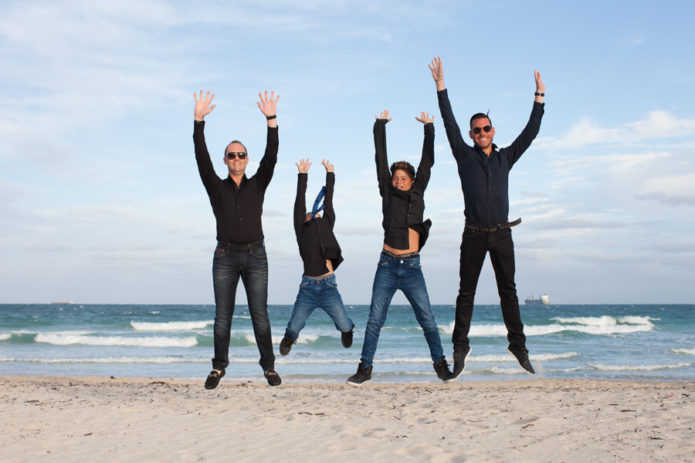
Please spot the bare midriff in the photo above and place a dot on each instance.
(413, 244)
(329, 266)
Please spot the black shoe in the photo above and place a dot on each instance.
(214, 379)
(346, 338)
(286, 345)
(442, 369)
(521, 356)
(460, 361)
(363, 375)
(272, 377)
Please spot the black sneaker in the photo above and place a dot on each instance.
(363, 375)
(214, 379)
(442, 369)
(286, 345)
(272, 377)
(521, 356)
(460, 361)
(346, 338)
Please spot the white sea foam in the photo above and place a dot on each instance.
(604, 320)
(106, 360)
(637, 320)
(303, 338)
(602, 367)
(5, 336)
(64, 339)
(171, 326)
(509, 358)
(505, 371)
(683, 351)
(590, 325)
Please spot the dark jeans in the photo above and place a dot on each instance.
(251, 265)
(474, 246)
(392, 274)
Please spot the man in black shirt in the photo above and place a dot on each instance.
(484, 172)
(321, 255)
(237, 202)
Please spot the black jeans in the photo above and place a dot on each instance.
(474, 246)
(251, 265)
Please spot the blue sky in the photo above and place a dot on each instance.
(100, 199)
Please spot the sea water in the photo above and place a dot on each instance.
(632, 342)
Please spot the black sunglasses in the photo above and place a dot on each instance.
(477, 130)
(234, 154)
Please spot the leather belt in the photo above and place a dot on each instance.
(238, 247)
(493, 227)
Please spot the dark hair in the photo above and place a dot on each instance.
(404, 166)
(479, 116)
(235, 141)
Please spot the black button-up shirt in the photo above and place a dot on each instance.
(237, 209)
(315, 237)
(403, 209)
(485, 179)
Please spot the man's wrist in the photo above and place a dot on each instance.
(539, 93)
(271, 117)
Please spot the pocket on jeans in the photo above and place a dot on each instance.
(258, 251)
(220, 251)
(470, 233)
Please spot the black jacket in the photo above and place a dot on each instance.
(403, 209)
(315, 237)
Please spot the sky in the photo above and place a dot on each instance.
(101, 202)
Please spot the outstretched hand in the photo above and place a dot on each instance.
(436, 69)
(327, 164)
(202, 105)
(540, 86)
(437, 72)
(425, 118)
(384, 115)
(303, 165)
(268, 106)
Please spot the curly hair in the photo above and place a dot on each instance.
(405, 166)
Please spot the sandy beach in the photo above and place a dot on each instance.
(112, 419)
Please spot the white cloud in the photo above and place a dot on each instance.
(658, 125)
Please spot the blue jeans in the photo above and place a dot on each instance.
(395, 273)
(313, 293)
(249, 263)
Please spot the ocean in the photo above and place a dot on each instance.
(630, 342)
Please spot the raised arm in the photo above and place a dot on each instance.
(203, 107)
(540, 87)
(437, 72)
(459, 148)
(382, 164)
(300, 201)
(268, 106)
(523, 141)
(422, 177)
(328, 212)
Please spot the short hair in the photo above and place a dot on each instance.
(235, 141)
(479, 116)
(404, 166)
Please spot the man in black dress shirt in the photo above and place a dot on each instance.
(484, 172)
(237, 202)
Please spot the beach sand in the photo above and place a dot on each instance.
(137, 420)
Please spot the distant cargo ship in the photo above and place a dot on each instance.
(544, 299)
